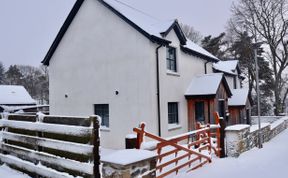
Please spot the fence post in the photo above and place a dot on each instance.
(140, 136)
(222, 138)
(95, 140)
(220, 135)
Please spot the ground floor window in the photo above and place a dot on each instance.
(199, 111)
(173, 113)
(102, 110)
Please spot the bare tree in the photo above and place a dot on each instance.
(191, 33)
(267, 21)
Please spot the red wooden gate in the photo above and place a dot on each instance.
(185, 150)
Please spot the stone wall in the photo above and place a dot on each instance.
(241, 137)
(130, 163)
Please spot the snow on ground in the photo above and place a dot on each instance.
(270, 161)
(7, 172)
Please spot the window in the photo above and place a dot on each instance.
(199, 111)
(102, 110)
(173, 113)
(221, 108)
(171, 59)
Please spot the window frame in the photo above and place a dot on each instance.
(105, 120)
(174, 113)
(171, 63)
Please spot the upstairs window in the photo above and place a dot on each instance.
(171, 59)
(173, 113)
(102, 110)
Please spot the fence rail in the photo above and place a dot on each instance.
(51, 146)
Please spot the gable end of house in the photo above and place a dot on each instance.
(62, 31)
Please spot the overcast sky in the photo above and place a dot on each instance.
(28, 27)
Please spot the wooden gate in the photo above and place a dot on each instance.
(185, 150)
(51, 146)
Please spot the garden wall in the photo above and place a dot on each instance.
(242, 137)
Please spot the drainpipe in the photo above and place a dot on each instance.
(205, 66)
(158, 90)
(209, 118)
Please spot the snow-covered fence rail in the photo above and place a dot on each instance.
(51, 146)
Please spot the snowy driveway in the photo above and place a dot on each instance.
(269, 162)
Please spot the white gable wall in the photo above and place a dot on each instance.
(100, 54)
(230, 81)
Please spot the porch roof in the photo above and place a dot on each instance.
(206, 85)
(239, 97)
(228, 67)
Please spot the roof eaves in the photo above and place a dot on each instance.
(195, 53)
(175, 25)
(206, 96)
(62, 32)
(236, 105)
(218, 70)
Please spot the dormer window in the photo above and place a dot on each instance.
(171, 59)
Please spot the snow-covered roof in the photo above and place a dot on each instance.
(144, 21)
(239, 97)
(229, 67)
(14, 94)
(153, 28)
(206, 84)
(193, 46)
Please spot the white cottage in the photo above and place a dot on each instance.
(125, 66)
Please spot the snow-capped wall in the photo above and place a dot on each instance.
(241, 138)
(129, 163)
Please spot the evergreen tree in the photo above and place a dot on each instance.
(243, 50)
(214, 45)
(13, 76)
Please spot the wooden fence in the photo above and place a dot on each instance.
(51, 146)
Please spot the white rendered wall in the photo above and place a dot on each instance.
(230, 81)
(174, 86)
(99, 54)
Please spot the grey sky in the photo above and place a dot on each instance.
(28, 27)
